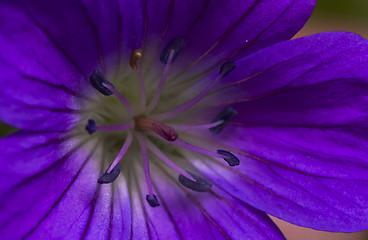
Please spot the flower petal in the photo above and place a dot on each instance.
(308, 200)
(65, 41)
(313, 60)
(49, 188)
(29, 102)
(33, 73)
(103, 33)
(218, 30)
(186, 214)
(301, 128)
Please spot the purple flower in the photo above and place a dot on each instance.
(185, 119)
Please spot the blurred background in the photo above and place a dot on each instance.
(338, 15)
(329, 15)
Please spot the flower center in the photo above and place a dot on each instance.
(141, 122)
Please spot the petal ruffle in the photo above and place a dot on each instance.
(49, 188)
(301, 129)
(184, 214)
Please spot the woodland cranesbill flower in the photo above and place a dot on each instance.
(183, 119)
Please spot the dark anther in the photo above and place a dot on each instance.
(227, 67)
(176, 45)
(153, 202)
(230, 158)
(96, 79)
(109, 177)
(200, 185)
(226, 116)
(91, 126)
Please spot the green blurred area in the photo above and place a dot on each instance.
(343, 8)
(338, 15)
(6, 129)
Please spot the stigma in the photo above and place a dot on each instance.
(151, 130)
(161, 129)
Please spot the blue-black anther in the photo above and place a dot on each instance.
(153, 202)
(96, 79)
(91, 126)
(176, 45)
(226, 115)
(230, 158)
(227, 67)
(109, 177)
(200, 185)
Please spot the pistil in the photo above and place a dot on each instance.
(161, 129)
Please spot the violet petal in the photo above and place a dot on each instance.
(259, 23)
(302, 132)
(184, 214)
(48, 188)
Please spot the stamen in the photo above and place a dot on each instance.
(99, 82)
(230, 158)
(161, 84)
(163, 130)
(91, 126)
(109, 177)
(118, 127)
(178, 127)
(226, 115)
(136, 55)
(225, 69)
(166, 160)
(176, 45)
(122, 152)
(143, 99)
(122, 99)
(147, 173)
(199, 185)
(152, 201)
